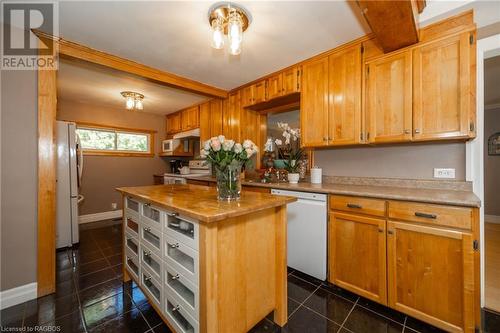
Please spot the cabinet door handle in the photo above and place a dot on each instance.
(426, 215)
(174, 246)
(350, 205)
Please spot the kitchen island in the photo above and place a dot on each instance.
(207, 265)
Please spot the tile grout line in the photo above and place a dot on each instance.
(302, 304)
(347, 317)
(404, 324)
(381, 315)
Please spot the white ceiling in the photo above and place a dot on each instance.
(492, 81)
(174, 35)
(97, 85)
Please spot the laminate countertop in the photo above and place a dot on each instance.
(417, 193)
(200, 202)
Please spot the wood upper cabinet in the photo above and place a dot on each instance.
(442, 101)
(247, 96)
(173, 123)
(388, 96)
(431, 274)
(259, 92)
(357, 253)
(232, 117)
(215, 117)
(205, 122)
(344, 111)
(291, 81)
(275, 86)
(190, 118)
(314, 103)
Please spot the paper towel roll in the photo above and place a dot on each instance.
(316, 175)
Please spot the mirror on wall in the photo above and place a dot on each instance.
(292, 118)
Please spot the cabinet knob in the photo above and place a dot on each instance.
(174, 246)
(325, 139)
(407, 131)
(175, 277)
(147, 204)
(147, 229)
(417, 131)
(173, 214)
(380, 230)
(176, 308)
(147, 278)
(390, 232)
(147, 253)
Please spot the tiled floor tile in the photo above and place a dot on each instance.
(92, 266)
(162, 328)
(82, 257)
(118, 270)
(92, 279)
(101, 291)
(298, 289)
(265, 326)
(65, 288)
(308, 278)
(12, 316)
(137, 296)
(421, 327)
(107, 309)
(339, 291)
(362, 320)
(305, 320)
(49, 308)
(64, 264)
(329, 305)
(150, 315)
(64, 274)
(491, 322)
(129, 322)
(292, 306)
(110, 251)
(383, 310)
(70, 323)
(115, 260)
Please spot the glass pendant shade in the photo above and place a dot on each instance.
(130, 103)
(235, 28)
(235, 48)
(217, 34)
(138, 104)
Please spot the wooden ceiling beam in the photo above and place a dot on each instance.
(78, 51)
(394, 23)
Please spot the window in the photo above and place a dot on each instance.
(115, 141)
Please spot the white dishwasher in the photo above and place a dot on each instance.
(307, 232)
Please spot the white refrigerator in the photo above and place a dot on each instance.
(69, 168)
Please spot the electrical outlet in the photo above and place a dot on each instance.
(444, 173)
(113, 205)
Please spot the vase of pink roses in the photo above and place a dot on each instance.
(227, 158)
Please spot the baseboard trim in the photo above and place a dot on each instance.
(112, 214)
(18, 295)
(492, 219)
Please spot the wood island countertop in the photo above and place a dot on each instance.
(200, 202)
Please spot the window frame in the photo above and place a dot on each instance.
(116, 129)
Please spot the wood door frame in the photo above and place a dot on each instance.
(47, 158)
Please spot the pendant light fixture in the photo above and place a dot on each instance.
(133, 100)
(228, 19)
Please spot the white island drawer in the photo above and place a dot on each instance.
(182, 228)
(132, 243)
(152, 237)
(151, 286)
(182, 321)
(184, 290)
(132, 207)
(152, 215)
(182, 258)
(132, 264)
(132, 225)
(152, 262)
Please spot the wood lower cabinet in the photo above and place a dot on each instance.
(314, 104)
(388, 93)
(442, 97)
(431, 274)
(358, 251)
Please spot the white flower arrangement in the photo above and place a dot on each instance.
(290, 151)
(222, 152)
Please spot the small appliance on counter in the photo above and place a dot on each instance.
(169, 146)
(196, 168)
(316, 175)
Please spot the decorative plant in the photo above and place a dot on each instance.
(290, 149)
(227, 157)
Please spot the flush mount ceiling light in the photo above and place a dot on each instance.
(228, 19)
(133, 100)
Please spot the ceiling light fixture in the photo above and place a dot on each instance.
(133, 100)
(231, 20)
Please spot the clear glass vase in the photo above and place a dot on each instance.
(228, 182)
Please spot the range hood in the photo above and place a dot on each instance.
(194, 133)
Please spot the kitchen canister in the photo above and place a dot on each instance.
(316, 175)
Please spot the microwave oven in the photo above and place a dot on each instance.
(169, 146)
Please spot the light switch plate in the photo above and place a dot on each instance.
(444, 173)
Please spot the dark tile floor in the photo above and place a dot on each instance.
(90, 297)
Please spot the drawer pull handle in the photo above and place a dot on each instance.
(426, 215)
(173, 214)
(174, 246)
(147, 278)
(175, 277)
(147, 229)
(147, 253)
(147, 204)
(176, 308)
(350, 205)
(380, 230)
(390, 232)
(128, 258)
